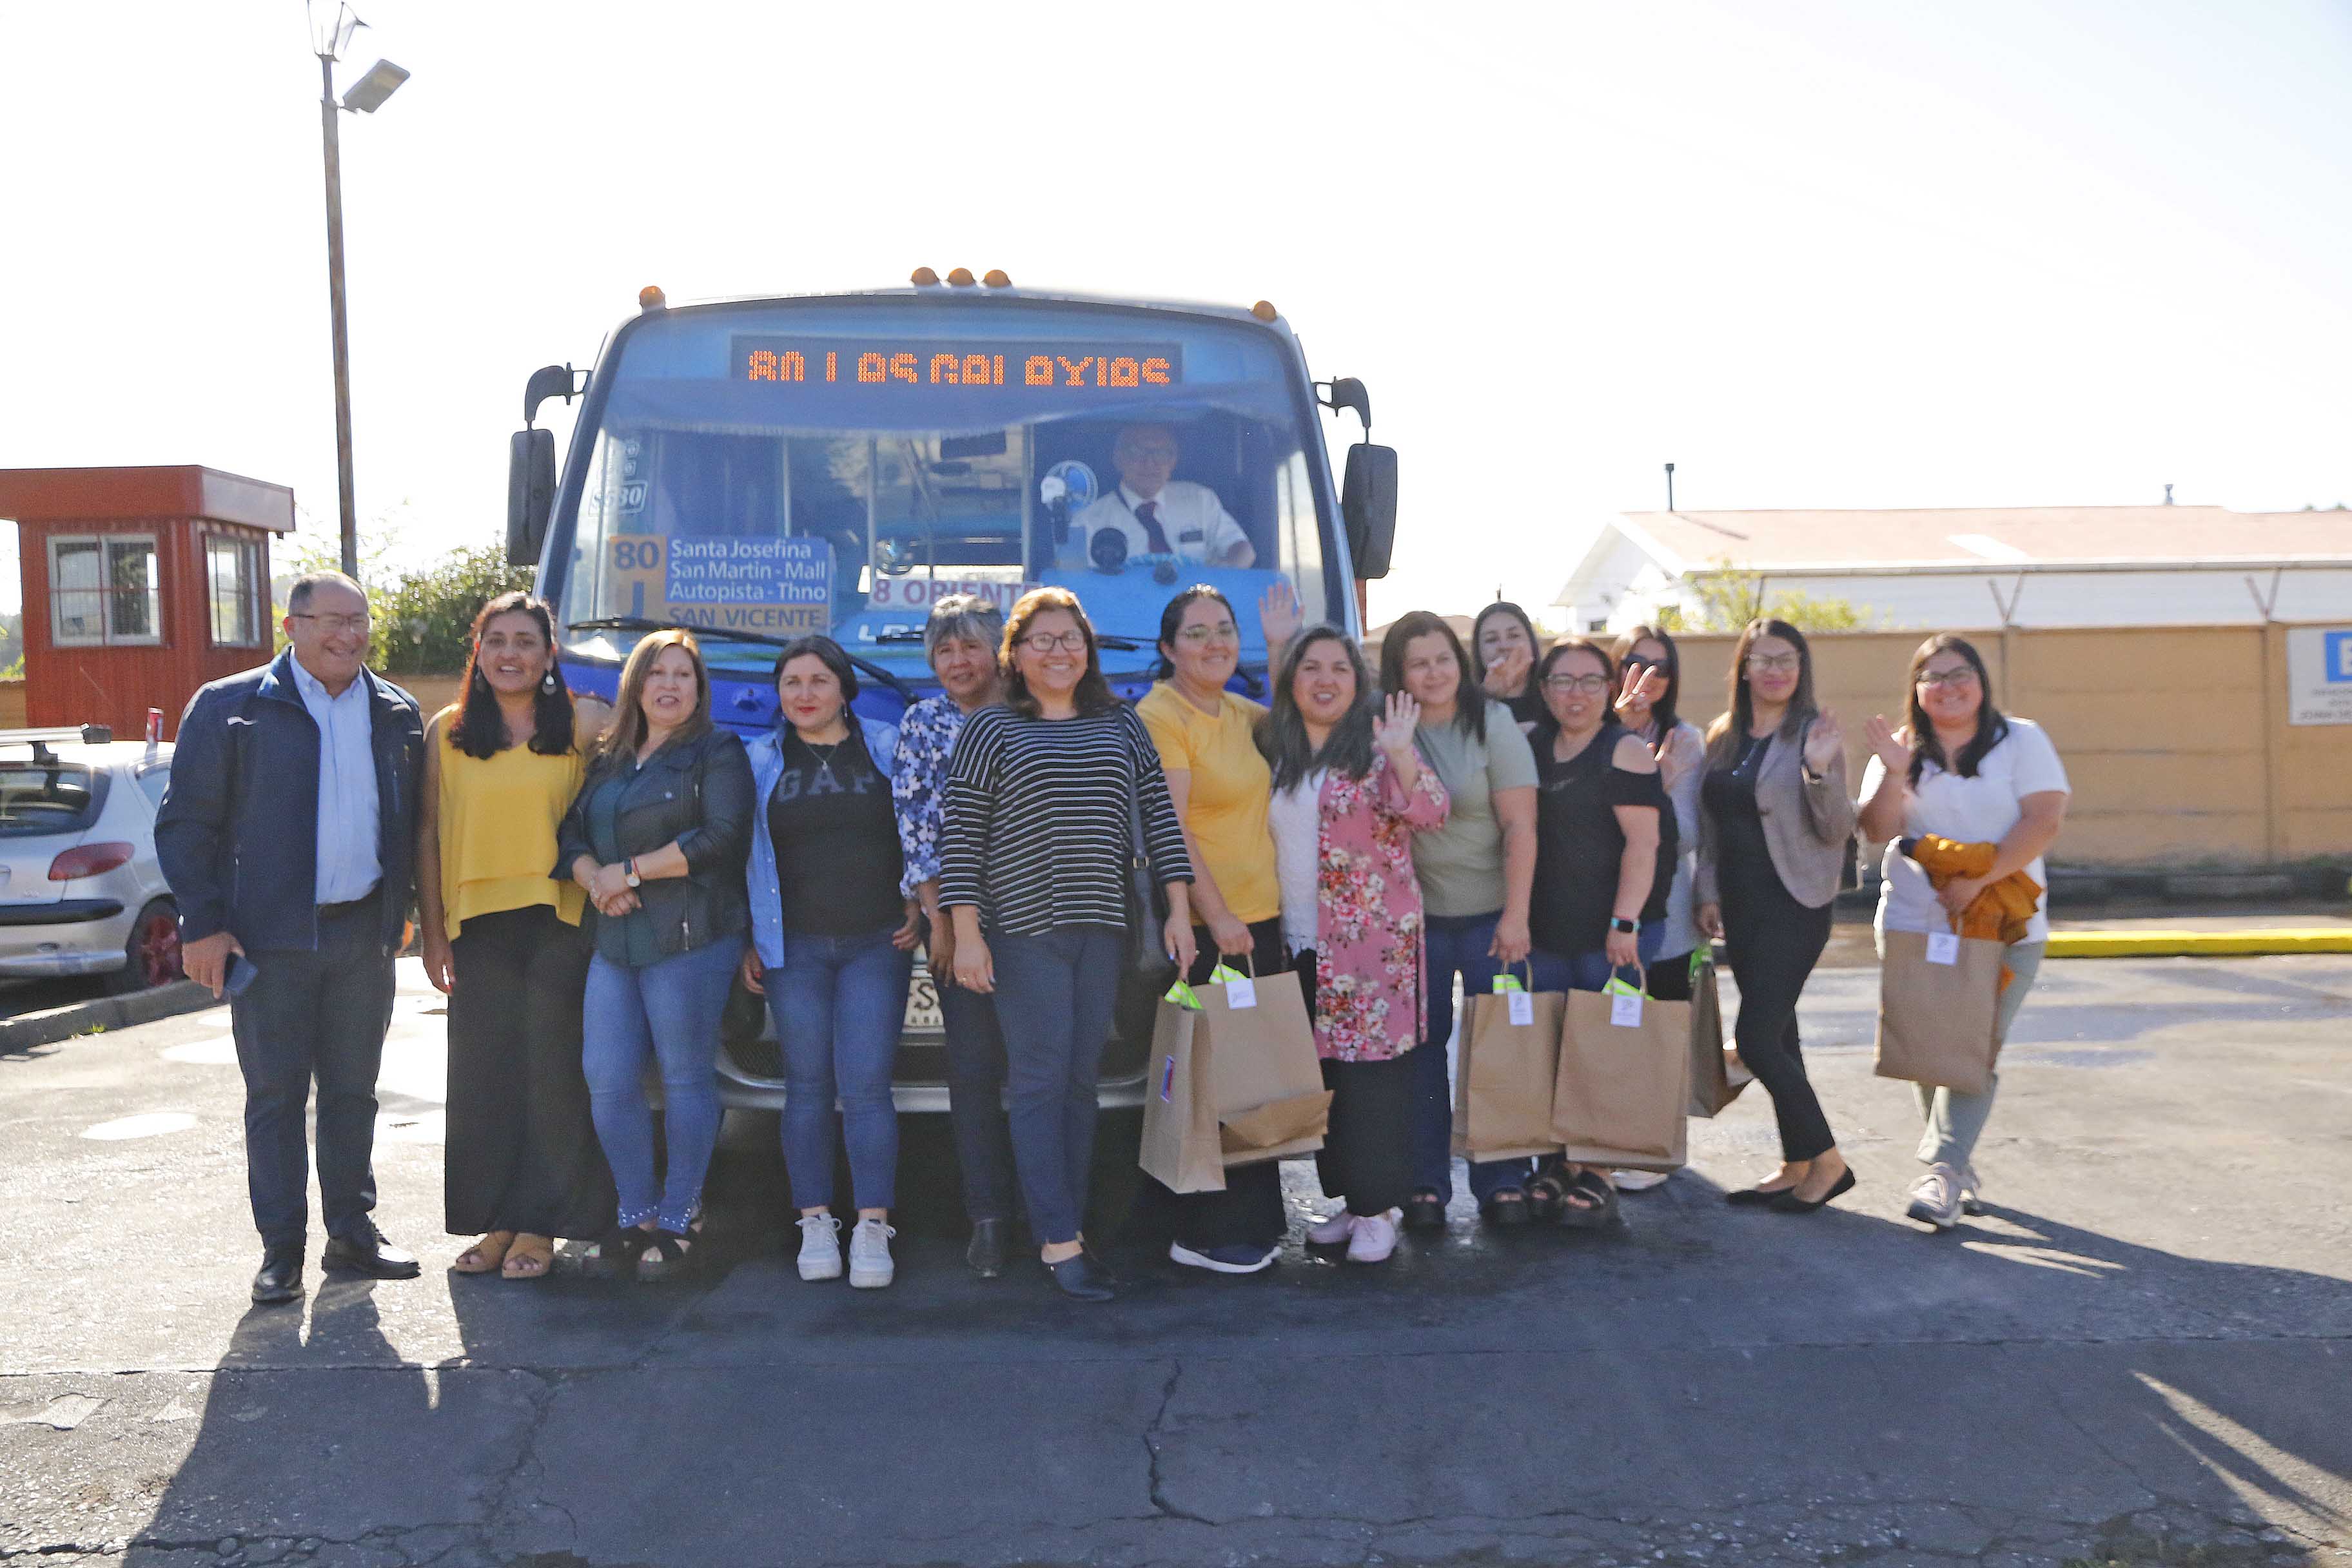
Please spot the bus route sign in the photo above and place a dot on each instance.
(780, 587)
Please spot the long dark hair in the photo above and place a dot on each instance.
(1469, 696)
(1992, 727)
(1535, 642)
(1173, 618)
(1546, 727)
(1281, 733)
(1662, 711)
(1094, 694)
(1723, 736)
(481, 730)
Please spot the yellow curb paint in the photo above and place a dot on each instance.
(2198, 944)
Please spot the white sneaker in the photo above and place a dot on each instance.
(1936, 1198)
(1636, 1181)
(1374, 1238)
(870, 1267)
(820, 1246)
(1333, 1231)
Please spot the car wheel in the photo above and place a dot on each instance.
(153, 950)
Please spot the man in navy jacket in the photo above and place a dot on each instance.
(288, 836)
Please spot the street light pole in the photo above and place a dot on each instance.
(349, 511)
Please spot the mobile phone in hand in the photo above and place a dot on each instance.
(241, 974)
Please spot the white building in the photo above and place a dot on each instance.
(2028, 566)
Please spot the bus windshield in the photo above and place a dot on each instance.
(835, 465)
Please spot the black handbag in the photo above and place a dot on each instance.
(1146, 904)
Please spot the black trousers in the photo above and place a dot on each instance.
(314, 1013)
(1367, 1154)
(1772, 942)
(523, 1152)
(1248, 1213)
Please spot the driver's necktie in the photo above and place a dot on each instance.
(1148, 515)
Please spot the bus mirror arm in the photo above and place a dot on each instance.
(550, 381)
(1347, 392)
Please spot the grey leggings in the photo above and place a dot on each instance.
(1954, 1121)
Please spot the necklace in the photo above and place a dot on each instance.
(824, 756)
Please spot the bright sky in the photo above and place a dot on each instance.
(2005, 252)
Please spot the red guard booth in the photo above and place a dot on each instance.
(141, 585)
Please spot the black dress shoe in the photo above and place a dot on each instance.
(363, 1250)
(986, 1253)
(1080, 1279)
(1753, 1197)
(1424, 1211)
(280, 1279)
(1790, 1203)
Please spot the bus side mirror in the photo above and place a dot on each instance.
(1368, 506)
(530, 493)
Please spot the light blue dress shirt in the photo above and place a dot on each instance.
(349, 817)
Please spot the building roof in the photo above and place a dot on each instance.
(1987, 536)
(112, 495)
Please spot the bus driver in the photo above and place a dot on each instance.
(1162, 517)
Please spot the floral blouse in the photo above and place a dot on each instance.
(1370, 984)
(927, 738)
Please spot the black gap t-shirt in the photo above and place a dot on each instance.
(1578, 844)
(838, 860)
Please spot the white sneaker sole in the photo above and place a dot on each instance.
(1925, 1214)
(814, 1270)
(1179, 1253)
(871, 1278)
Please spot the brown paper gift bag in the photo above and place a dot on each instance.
(1717, 1075)
(1264, 1079)
(1623, 1086)
(1936, 1020)
(1503, 1076)
(1180, 1146)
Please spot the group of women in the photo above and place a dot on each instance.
(1532, 810)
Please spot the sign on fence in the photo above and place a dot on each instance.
(2319, 675)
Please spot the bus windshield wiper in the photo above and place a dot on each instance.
(729, 633)
(915, 635)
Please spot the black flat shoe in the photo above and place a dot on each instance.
(1424, 1211)
(1790, 1203)
(1754, 1197)
(363, 1250)
(986, 1253)
(1080, 1279)
(280, 1279)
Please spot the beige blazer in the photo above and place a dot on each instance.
(1808, 825)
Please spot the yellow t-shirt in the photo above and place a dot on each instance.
(497, 823)
(1230, 789)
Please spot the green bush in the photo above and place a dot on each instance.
(422, 619)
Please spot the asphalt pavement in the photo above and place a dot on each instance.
(2142, 1352)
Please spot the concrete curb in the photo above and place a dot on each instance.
(2198, 943)
(30, 1030)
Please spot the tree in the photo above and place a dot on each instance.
(1724, 598)
(422, 620)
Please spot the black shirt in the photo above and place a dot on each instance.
(837, 860)
(1527, 707)
(1728, 796)
(1578, 844)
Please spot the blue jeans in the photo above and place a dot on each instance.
(668, 1011)
(1055, 994)
(1457, 945)
(838, 1002)
(1590, 971)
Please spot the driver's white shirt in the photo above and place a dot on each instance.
(1197, 524)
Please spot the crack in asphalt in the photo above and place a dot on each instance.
(1151, 1449)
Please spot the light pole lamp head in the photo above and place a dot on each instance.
(367, 94)
(332, 23)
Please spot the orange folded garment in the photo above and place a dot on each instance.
(2003, 912)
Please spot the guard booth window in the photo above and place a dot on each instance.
(232, 569)
(104, 590)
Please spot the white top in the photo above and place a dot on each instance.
(1295, 819)
(1197, 525)
(1977, 810)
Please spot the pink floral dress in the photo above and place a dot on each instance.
(1368, 961)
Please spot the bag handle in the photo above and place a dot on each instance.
(1641, 980)
(1224, 970)
(1525, 965)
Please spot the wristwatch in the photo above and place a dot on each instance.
(1625, 926)
(629, 871)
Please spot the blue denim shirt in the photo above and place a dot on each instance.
(767, 767)
(347, 818)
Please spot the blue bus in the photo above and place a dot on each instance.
(758, 470)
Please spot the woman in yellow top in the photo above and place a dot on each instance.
(502, 938)
(1221, 786)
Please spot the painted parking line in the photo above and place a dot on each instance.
(149, 1124)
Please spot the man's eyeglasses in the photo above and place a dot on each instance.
(1963, 676)
(1773, 663)
(1046, 642)
(331, 625)
(1196, 635)
(1591, 685)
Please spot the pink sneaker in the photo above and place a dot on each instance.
(1375, 1238)
(1339, 1227)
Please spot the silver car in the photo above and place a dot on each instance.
(80, 892)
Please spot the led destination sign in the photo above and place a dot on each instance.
(885, 364)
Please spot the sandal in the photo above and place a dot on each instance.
(1424, 1211)
(1506, 1206)
(615, 1255)
(531, 1258)
(1589, 1202)
(485, 1256)
(665, 1255)
(1547, 1195)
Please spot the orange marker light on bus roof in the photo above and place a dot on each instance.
(960, 277)
(1263, 310)
(923, 278)
(996, 278)
(650, 298)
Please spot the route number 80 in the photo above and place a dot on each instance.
(637, 554)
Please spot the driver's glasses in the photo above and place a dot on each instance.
(1046, 642)
(1590, 685)
(333, 625)
(1201, 635)
(1772, 663)
(1953, 678)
